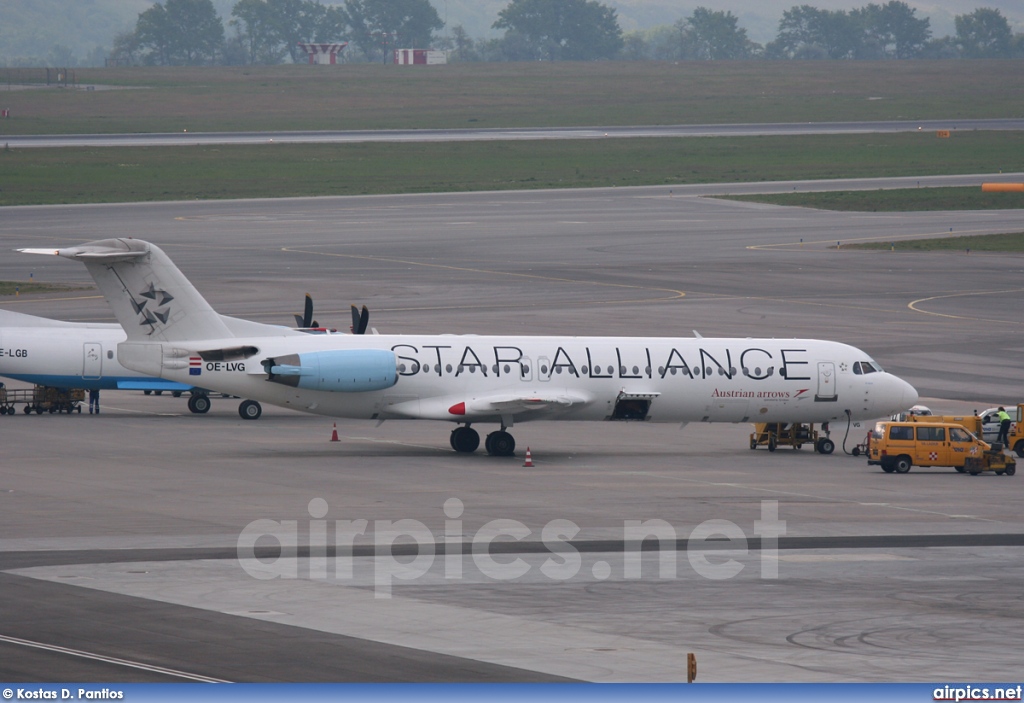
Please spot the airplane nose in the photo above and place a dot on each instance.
(909, 395)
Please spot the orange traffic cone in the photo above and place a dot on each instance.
(334, 434)
(529, 459)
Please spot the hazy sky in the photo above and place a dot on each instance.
(759, 17)
(34, 27)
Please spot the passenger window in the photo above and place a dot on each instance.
(931, 434)
(900, 432)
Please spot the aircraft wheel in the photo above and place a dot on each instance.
(147, 392)
(250, 410)
(902, 464)
(199, 404)
(500, 443)
(176, 394)
(826, 446)
(464, 440)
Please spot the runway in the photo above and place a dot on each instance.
(506, 134)
(121, 533)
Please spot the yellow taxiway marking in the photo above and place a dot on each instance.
(913, 305)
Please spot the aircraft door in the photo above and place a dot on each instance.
(92, 360)
(827, 392)
(932, 447)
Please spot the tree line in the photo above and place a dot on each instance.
(265, 32)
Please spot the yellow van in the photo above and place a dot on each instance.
(896, 446)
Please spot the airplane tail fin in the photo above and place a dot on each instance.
(150, 296)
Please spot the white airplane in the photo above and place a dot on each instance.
(82, 355)
(173, 332)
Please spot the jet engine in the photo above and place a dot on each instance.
(341, 370)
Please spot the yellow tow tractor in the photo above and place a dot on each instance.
(797, 434)
(994, 459)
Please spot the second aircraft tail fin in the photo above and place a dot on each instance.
(150, 296)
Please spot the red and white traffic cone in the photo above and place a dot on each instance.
(529, 459)
(334, 434)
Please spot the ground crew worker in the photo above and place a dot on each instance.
(94, 401)
(1004, 426)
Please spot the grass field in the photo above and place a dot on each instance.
(984, 242)
(299, 97)
(898, 200)
(47, 176)
(26, 287)
(492, 95)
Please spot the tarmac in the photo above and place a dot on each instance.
(150, 544)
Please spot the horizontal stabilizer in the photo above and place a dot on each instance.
(107, 250)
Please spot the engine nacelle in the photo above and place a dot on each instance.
(340, 370)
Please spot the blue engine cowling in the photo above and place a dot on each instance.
(340, 370)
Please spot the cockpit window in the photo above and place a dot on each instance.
(864, 367)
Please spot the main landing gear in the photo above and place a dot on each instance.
(199, 403)
(465, 439)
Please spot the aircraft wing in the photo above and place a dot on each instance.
(486, 407)
(502, 404)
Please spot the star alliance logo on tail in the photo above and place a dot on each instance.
(151, 317)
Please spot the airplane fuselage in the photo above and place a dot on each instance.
(174, 333)
(513, 379)
(63, 354)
